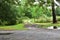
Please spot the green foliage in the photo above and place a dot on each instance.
(8, 12)
(47, 12)
(36, 11)
(58, 18)
(44, 20)
(58, 11)
(14, 11)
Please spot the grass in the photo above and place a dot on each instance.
(21, 26)
(45, 25)
(13, 27)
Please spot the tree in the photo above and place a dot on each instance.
(53, 12)
(8, 13)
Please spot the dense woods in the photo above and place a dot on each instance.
(14, 11)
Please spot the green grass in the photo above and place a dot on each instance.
(21, 26)
(13, 27)
(45, 25)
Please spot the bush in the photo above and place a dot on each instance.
(58, 11)
(43, 20)
(58, 18)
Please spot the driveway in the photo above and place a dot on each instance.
(32, 34)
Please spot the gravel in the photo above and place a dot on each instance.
(36, 34)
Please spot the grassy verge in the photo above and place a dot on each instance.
(13, 27)
(21, 26)
(45, 25)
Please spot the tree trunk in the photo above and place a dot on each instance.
(53, 12)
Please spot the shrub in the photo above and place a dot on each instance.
(58, 18)
(58, 11)
(43, 20)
